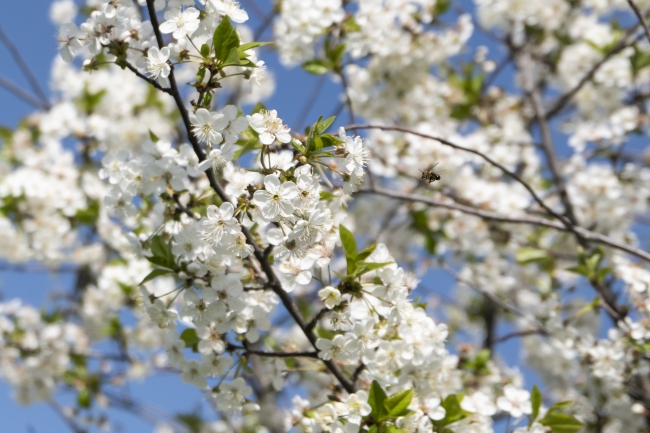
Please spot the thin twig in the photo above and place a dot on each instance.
(516, 334)
(587, 234)
(147, 79)
(348, 100)
(313, 97)
(20, 93)
(640, 17)
(308, 354)
(511, 308)
(561, 101)
(547, 139)
(313, 322)
(512, 174)
(33, 83)
(66, 418)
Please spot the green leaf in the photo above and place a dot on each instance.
(336, 54)
(536, 403)
(397, 404)
(298, 146)
(330, 140)
(527, 255)
(249, 146)
(205, 51)
(453, 411)
(191, 339)
(316, 66)
(347, 239)
(84, 397)
(224, 39)
(233, 58)
(192, 421)
(154, 274)
(90, 215)
(393, 429)
(258, 107)
(153, 136)
(250, 45)
(367, 252)
(373, 429)
(363, 268)
(160, 261)
(322, 126)
(162, 251)
(318, 143)
(561, 423)
(376, 399)
(326, 195)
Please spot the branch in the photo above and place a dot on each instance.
(313, 322)
(587, 234)
(312, 354)
(513, 175)
(67, 418)
(147, 79)
(20, 93)
(33, 83)
(547, 139)
(561, 101)
(273, 281)
(348, 100)
(516, 334)
(511, 308)
(640, 17)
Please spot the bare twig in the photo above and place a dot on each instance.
(313, 322)
(640, 17)
(33, 83)
(70, 421)
(507, 307)
(147, 79)
(547, 139)
(311, 354)
(587, 234)
(516, 334)
(348, 100)
(561, 101)
(20, 93)
(313, 97)
(273, 281)
(491, 161)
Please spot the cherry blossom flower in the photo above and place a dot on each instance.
(207, 126)
(157, 65)
(277, 198)
(270, 127)
(180, 23)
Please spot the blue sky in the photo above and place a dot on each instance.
(32, 32)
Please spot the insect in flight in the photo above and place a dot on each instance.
(430, 175)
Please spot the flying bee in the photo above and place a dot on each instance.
(430, 175)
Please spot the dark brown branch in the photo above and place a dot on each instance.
(147, 79)
(20, 93)
(313, 322)
(312, 354)
(357, 372)
(517, 334)
(273, 281)
(33, 83)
